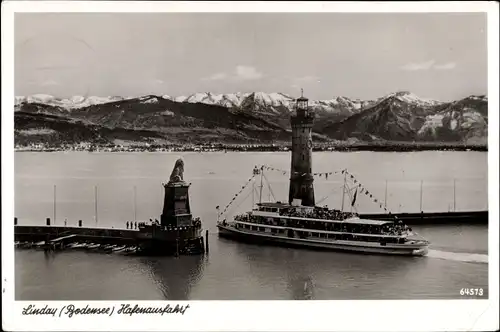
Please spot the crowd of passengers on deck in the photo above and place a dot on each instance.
(398, 229)
(318, 213)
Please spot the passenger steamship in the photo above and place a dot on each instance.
(300, 223)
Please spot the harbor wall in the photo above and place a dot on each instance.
(99, 235)
(434, 218)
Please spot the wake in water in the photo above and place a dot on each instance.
(458, 256)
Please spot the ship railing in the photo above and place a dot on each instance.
(299, 229)
(242, 217)
(390, 229)
(385, 228)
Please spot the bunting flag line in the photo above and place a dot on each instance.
(237, 194)
(367, 193)
(358, 184)
(320, 174)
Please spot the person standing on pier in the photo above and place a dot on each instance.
(65, 222)
(127, 224)
(135, 225)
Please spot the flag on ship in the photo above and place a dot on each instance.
(354, 198)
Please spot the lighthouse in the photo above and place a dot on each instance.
(301, 178)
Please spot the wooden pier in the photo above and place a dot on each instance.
(176, 241)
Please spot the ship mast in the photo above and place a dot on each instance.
(385, 198)
(454, 195)
(95, 203)
(135, 203)
(261, 184)
(253, 193)
(55, 210)
(421, 188)
(343, 192)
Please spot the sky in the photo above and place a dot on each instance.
(358, 55)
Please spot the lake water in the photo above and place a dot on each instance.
(236, 271)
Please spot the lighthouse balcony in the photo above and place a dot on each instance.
(302, 119)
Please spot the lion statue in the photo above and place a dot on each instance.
(178, 171)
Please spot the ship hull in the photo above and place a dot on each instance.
(329, 245)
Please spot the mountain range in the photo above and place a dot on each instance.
(256, 117)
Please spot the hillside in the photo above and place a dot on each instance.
(247, 118)
(168, 120)
(397, 118)
(53, 130)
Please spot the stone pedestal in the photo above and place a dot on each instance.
(176, 208)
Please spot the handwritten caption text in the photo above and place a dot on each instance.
(71, 310)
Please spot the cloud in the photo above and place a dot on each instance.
(307, 79)
(446, 66)
(247, 73)
(428, 65)
(158, 81)
(240, 73)
(49, 83)
(216, 77)
(413, 66)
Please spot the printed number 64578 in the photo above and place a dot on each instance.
(471, 291)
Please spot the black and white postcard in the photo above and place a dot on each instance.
(300, 166)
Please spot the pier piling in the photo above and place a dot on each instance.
(206, 241)
(48, 221)
(177, 247)
(15, 221)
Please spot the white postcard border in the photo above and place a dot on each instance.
(410, 315)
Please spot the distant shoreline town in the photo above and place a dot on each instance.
(387, 147)
(399, 121)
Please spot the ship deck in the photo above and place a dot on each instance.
(413, 249)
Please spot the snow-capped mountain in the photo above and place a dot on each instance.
(405, 117)
(410, 98)
(259, 101)
(236, 100)
(274, 102)
(466, 119)
(399, 116)
(67, 103)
